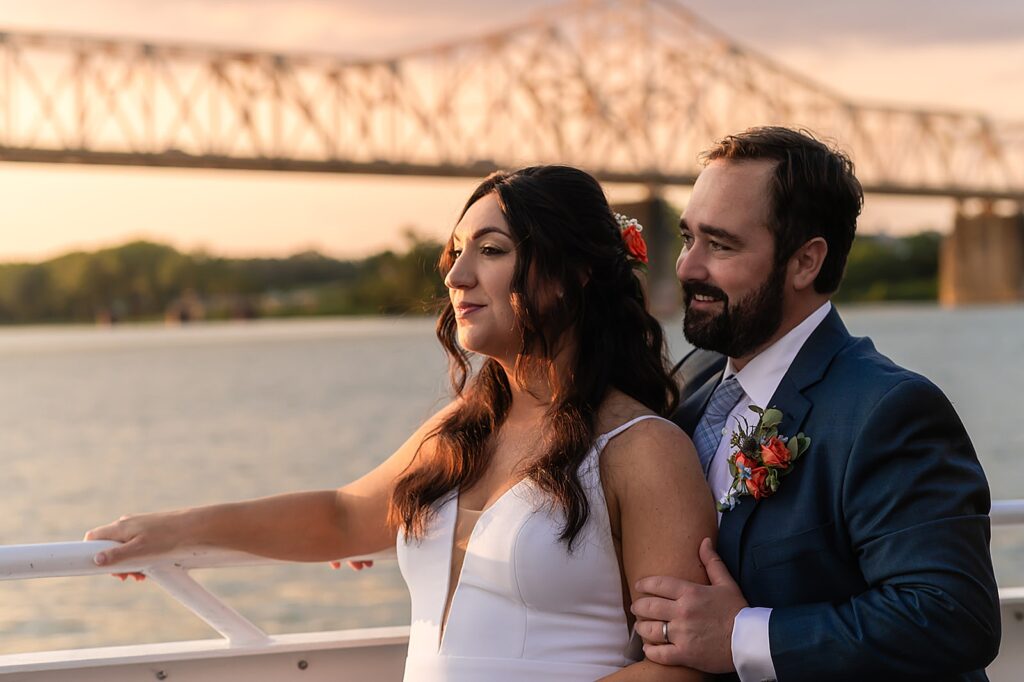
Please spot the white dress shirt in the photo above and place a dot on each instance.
(759, 378)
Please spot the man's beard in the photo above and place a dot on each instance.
(739, 329)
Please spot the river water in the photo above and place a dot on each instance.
(95, 423)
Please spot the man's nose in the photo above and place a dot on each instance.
(690, 265)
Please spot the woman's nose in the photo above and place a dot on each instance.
(460, 276)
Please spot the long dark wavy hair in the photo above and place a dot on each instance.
(567, 240)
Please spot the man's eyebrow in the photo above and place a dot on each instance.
(712, 231)
(720, 234)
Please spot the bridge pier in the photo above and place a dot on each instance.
(982, 259)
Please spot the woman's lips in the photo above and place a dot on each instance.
(466, 309)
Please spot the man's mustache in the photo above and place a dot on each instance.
(691, 289)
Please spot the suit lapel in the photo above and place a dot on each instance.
(808, 368)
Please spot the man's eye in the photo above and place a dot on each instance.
(717, 246)
(687, 240)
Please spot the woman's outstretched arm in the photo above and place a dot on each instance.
(302, 526)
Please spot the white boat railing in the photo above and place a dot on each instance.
(1007, 512)
(171, 572)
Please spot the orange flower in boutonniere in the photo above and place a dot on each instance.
(761, 457)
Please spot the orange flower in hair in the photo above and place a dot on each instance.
(636, 247)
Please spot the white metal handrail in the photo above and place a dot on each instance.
(169, 571)
(1007, 512)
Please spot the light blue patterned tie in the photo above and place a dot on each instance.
(709, 430)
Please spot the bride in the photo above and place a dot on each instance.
(526, 509)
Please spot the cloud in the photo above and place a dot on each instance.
(350, 27)
(378, 26)
(982, 77)
(881, 22)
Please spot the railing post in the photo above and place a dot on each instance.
(238, 630)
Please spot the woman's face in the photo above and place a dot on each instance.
(480, 282)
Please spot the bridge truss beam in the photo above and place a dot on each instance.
(632, 90)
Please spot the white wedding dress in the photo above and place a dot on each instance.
(523, 606)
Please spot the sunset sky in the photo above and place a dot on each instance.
(951, 54)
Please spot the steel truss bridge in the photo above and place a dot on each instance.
(632, 90)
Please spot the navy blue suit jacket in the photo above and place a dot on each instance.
(874, 551)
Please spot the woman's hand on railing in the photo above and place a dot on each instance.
(141, 535)
(124, 576)
(354, 565)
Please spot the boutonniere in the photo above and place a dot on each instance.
(760, 457)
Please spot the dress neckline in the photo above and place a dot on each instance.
(452, 592)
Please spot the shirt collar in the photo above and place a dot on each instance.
(760, 377)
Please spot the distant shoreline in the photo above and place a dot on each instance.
(888, 305)
(149, 282)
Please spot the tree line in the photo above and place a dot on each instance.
(147, 281)
(884, 268)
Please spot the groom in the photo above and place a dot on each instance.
(870, 561)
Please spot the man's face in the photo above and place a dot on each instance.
(732, 293)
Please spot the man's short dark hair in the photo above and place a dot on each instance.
(814, 193)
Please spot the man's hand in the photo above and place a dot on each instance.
(699, 617)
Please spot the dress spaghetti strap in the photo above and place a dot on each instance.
(622, 427)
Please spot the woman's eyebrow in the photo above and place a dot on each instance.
(489, 229)
(485, 230)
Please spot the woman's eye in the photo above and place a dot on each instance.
(491, 250)
(455, 253)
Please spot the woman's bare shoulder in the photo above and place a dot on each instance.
(651, 470)
(655, 446)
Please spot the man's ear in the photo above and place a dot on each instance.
(806, 262)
